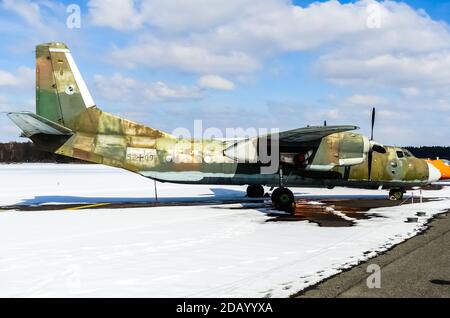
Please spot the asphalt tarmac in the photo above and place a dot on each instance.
(325, 212)
(419, 267)
(340, 203)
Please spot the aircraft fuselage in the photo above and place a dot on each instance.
(107, 139)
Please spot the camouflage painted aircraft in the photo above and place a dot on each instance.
(68, 122)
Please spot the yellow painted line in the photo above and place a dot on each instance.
(87, 206)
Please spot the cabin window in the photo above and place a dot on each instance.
(400, 154)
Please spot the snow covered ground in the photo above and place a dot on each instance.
(182, 251)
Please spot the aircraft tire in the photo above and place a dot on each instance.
(283, 198)
(274, 196)
(396, 194)
(255, 191)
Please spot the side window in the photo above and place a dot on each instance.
(408, 154)
(400, 154)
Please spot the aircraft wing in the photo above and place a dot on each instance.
(311, 133)
(246, 150)
(32, 124)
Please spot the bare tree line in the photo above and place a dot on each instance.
(430, 152)
(14, 152)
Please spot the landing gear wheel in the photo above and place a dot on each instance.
(275, 196)
(396, 194)
(255, 191)
(283, 198)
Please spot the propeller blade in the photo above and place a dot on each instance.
(370, 154)
(373, 123)
(378, 148)
(325, 123)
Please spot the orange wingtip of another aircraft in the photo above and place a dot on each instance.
(443, 166)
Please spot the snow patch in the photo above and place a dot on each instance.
(179, 251)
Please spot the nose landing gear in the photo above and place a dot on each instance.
(396, 194)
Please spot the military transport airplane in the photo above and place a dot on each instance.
(68, 122)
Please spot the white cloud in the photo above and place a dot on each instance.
(7, 79)
(410, 91)
(216, 82)
(160, 91)
(407, 50)
(40, 21)
(194, 15)
(126, 89)
(364, 100)
(409, 54)
(116, 87)
(184, 56)
(117, 14)
(426, 70)
(28, 10)
(5, 105)
(18, 102)
(169, 15)
(24, 77)
(404, 65)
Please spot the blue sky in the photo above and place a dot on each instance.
(245, 63)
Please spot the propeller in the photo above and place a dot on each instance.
(324, 122)
(373, 123)
(370, 154)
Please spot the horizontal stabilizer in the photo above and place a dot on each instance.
(32, 124)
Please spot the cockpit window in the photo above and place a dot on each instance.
(407, 153)
(446, 162)
(400, 154)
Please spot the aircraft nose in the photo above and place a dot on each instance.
(433, 173)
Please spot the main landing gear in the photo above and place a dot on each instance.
(282, 197)
(255, 191)
(396, 194)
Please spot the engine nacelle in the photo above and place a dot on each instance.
(340, 149)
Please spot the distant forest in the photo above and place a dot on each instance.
(12, 152)
(430, 152)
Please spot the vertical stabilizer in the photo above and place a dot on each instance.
(61, 93)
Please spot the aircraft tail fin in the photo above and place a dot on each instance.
(64, 105)
(61, 93)
(32, 124)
